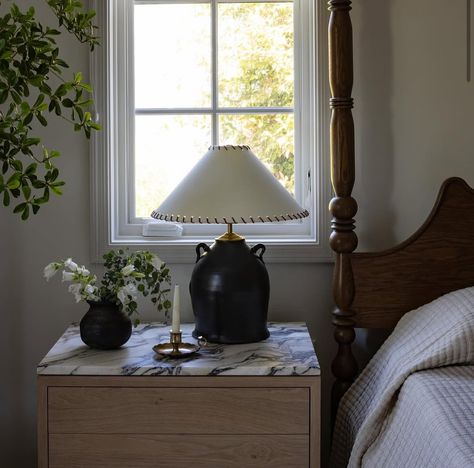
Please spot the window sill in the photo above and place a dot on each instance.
(183, 251)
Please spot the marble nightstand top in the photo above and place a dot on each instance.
(288, 351)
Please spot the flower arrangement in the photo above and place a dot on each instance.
(126, 275)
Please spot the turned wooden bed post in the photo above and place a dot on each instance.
(343, 207)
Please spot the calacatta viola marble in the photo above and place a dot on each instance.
(288, 351)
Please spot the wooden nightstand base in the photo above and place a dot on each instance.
(206, 422)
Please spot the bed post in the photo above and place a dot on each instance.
(343, 207)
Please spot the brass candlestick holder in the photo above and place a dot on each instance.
(176, 348)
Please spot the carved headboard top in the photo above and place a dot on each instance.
(436, 259)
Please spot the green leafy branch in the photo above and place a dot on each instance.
(78, 22)
(29, 59)
(148, 274)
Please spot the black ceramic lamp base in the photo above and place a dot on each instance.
(230, 291)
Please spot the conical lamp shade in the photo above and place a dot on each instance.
(229, 185)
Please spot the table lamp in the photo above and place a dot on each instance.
(229, 285)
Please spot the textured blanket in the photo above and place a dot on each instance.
(432, 424)
(435, 335)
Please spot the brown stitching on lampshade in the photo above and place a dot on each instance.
(251, 219)
(225, 221)
(217, 222)
(233, 220)
(227, 147)
(283, 216)
(200, 220)
(243, 220)
(269, 219)
(261, 219)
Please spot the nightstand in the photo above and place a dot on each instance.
(250, 405)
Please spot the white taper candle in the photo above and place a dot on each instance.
(176, 323)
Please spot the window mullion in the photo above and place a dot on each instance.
(215, 90)
(218, 110)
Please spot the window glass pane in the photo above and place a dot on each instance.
(271, 138)
(166, 148)
(172, 55)
(255, 54)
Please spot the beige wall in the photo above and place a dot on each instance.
(414, 119)
(414, 111)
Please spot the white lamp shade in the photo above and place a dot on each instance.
(229, 185)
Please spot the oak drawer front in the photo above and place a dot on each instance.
(112, 410)
(143, 451)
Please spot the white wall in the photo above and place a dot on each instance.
(414, 111)
(414, 114)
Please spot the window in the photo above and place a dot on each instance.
(174, 77)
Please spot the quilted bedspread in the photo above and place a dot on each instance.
(432, 424)
(393, 390)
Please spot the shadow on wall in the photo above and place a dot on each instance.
(14, 413)
(373, 89)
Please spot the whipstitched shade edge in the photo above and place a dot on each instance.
(230, 220)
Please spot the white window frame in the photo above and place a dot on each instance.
(112, 170)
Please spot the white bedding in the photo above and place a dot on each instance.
(435, 335)
(432, 423)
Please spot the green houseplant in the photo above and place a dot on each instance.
(34, 85)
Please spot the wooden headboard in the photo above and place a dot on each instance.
(437, 259)
(374, 290)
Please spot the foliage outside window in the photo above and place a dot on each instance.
(223, 73)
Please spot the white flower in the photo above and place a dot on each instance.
(50, 270)
(83, 271)
(89, 289)
(67, 276)
(156, 262)
(129, 290)
(70, 264)
(90, 292)
(127, 270)
(76, 289)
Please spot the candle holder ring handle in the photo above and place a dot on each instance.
(202, 341)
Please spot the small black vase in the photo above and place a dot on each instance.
(104, 326)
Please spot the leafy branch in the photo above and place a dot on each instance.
(29, 59)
